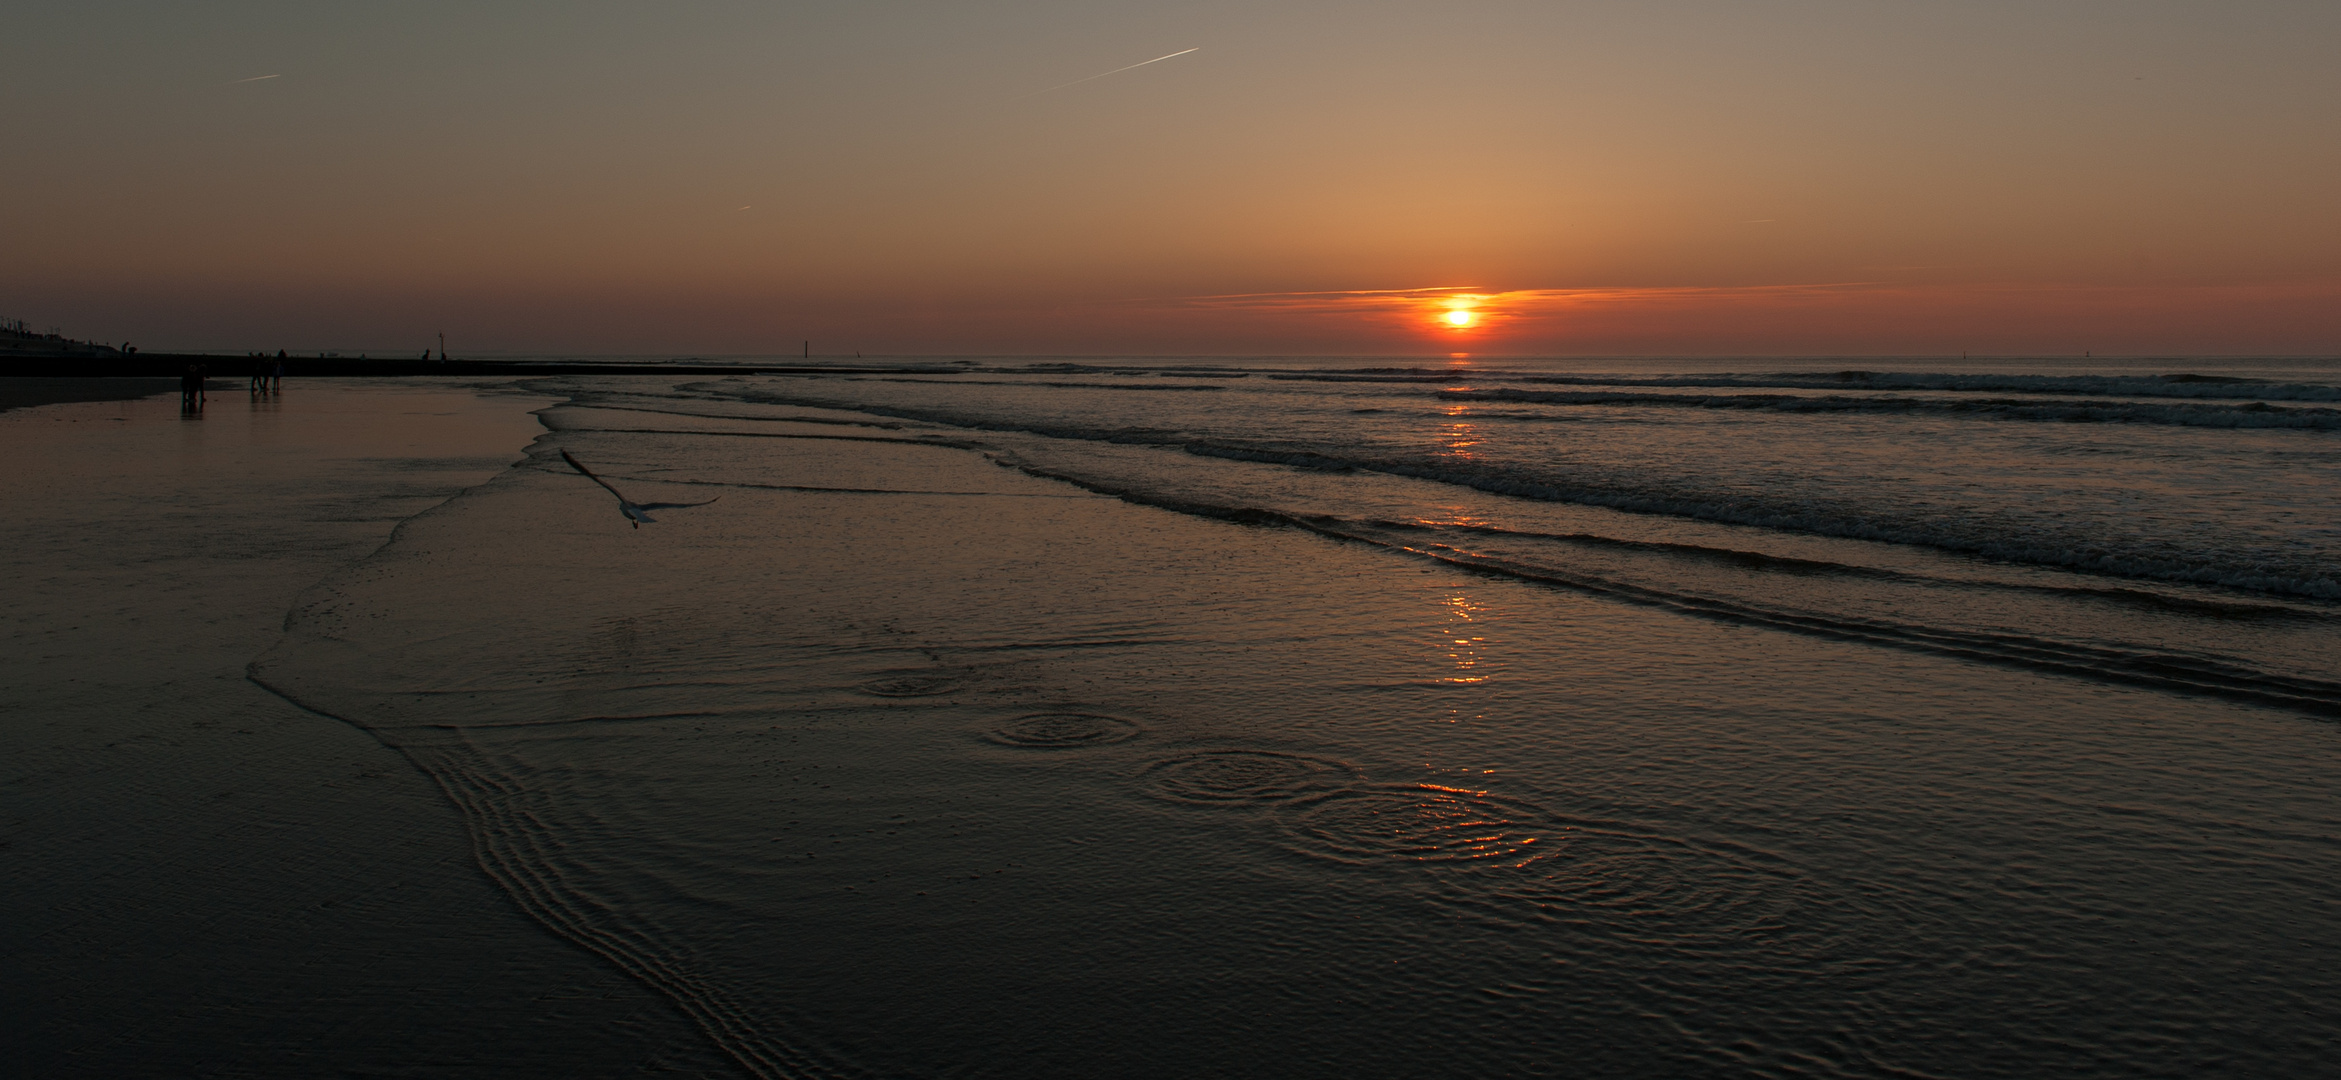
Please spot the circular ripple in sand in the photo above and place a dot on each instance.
(913, 684)
(1243, 776)
(1063, 729)
(1647, 889)
(1419, 823)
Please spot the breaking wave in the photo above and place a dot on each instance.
(2180, 385)
(2014, 541)
(2254, 414)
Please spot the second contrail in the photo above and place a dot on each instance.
(1116, 71)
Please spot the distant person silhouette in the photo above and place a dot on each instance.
(276, 379)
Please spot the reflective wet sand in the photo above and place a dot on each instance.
(896, 761)
(202, 879)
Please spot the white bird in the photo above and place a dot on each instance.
(633, 510)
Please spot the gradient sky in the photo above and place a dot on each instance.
(1653, 177)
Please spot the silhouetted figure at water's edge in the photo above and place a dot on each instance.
(191, 389)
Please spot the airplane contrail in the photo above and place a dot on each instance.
(1116, 71)
(257, 78)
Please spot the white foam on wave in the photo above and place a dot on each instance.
(2202, 568)
(2249, 415)
(2188, 673)
(2017, 540)
(2180, 385)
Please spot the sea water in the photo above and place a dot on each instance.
(1262, 718)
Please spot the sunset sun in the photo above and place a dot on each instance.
(1459, 317)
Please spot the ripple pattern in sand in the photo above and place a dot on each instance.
(1415, 823)
(1644, 890)
(1220, 777)
(1062, 730)
(1511, 862)
(913, 684)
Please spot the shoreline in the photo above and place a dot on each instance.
(207, 879)
(32, 391)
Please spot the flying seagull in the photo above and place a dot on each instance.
(632, 510)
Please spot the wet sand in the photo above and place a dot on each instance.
(203, 879)
(898, 762)
(23, 392)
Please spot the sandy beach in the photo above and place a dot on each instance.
(205, 880)
(1046, 723)
(24, 393)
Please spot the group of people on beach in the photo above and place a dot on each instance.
(267, 378)
(191, 388)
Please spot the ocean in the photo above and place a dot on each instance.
(1331, 718)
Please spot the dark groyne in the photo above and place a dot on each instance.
(173, 365)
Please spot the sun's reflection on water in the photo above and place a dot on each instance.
(1459, 435)
(1464, 645)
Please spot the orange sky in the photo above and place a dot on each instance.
(1715, 177)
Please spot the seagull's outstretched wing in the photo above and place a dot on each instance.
(672, 506)
(574, 464)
